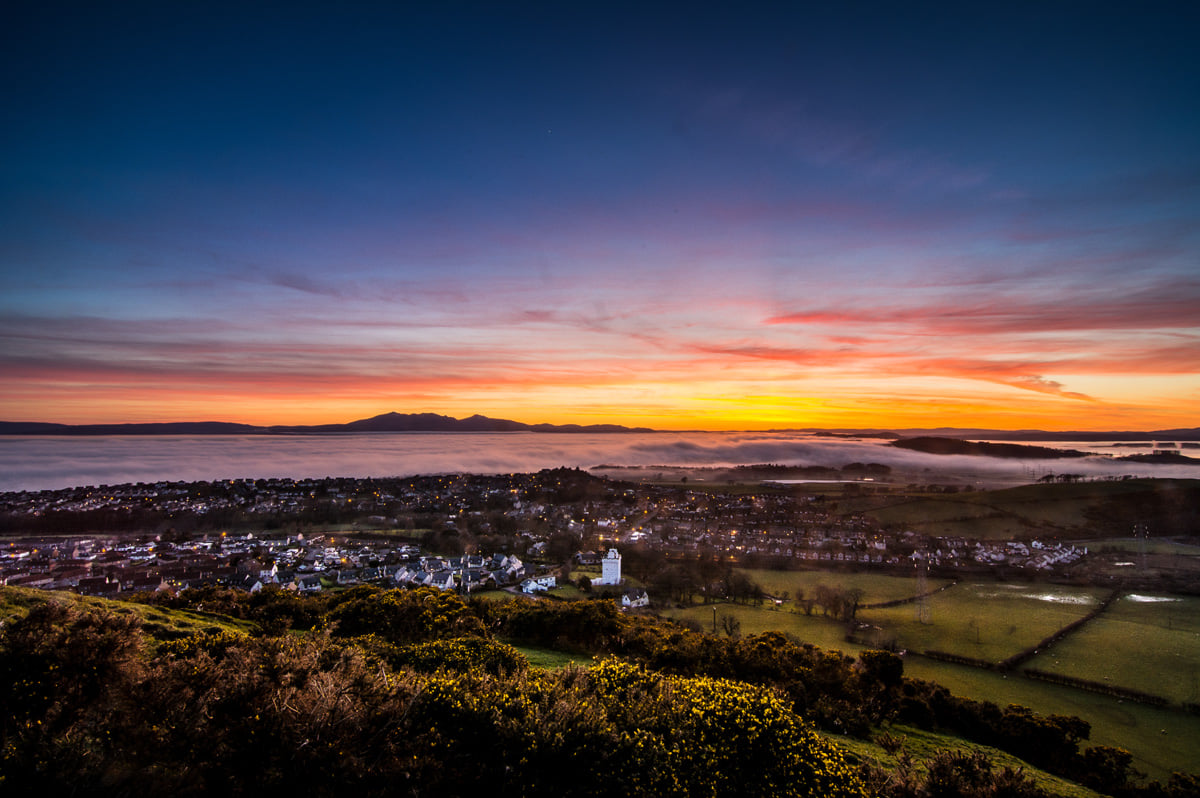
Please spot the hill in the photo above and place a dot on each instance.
(1107, 508)
(933, 445)
(388, 686)
(387, 422)
(159, 623)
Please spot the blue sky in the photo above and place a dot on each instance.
(692, 216)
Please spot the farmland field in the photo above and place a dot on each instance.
(988, 621)
(983, 620)
(875, 587)
(818, 630)
(1005, 618)
(1161, 740)
(1149, 643)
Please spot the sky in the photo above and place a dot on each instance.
(680, 216)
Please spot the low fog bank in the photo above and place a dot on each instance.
(41, 463)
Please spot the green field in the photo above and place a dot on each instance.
(992, 621)
(875, 587)
(550, 659)
(1161, 740)
(819, 631)
(921, 745)
(816, 628)
(1149, 643)
(988, 621)
(984, 620)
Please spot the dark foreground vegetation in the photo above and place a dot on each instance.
(390, 692)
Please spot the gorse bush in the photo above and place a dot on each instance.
(92, 711)
(394, 692)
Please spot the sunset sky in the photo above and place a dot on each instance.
(682, 216)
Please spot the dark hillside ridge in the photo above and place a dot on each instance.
(1166, 457)
(932, 445)
(388, 422)
(172, 428)
(964, 433)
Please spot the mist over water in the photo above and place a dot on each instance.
(43, 463)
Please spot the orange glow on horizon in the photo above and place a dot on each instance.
(679, 411)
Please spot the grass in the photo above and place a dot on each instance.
(1007, 618)
(1161, 740)
(922, 745)
(550, 659)
(982, 620)
(158, 622)
(1148, 645)
(494, 595)
(567, 591)
(818, 630)
(988, 621)
(875, 587)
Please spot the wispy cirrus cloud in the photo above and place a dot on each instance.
(1169, 305)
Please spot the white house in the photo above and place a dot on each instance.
(539, 584)
(635, 597)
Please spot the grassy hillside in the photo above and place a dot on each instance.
(1152, 646)
(384, 654)
(1068, 510)
(1160, 740)
(160, 623)
(920, 746)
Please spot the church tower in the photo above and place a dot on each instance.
(611, 568)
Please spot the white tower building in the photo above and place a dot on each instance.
(610, 568)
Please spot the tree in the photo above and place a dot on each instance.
(853, 597)
(804, 602)
(731, 626)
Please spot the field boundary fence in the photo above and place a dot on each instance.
(1097, 687)
(1021, 657)
(880, 605)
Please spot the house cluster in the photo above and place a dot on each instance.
(1035, 555)
(536, 516)
(106, 567)
(467, 573)
(109, 567)
(252, 496)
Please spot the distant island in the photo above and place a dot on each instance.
(1167, 457)
(931, 445)
(1036, 435)
(388, 422)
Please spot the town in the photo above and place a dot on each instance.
(520, 532)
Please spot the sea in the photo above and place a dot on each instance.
(32, 463)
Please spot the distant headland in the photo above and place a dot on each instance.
(388, 422)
